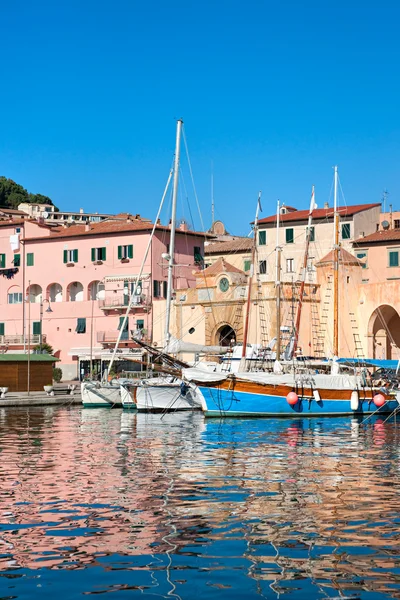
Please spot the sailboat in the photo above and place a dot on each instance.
(168, 392)
(293, 394)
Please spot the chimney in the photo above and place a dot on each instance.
(81, 211)
(326, 205)
(183, 226)
(87, 226)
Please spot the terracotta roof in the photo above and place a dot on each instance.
(12, 223)
(319, 213)
(382, 236)
(109, 228)
(345, 258)
(241, 245)
(220, 266)
(12, 211)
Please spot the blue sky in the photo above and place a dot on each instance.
(273, 94)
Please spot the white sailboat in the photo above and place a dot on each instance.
(169, 393)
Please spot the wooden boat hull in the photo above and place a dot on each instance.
(250, 399)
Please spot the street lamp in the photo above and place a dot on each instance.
(48, 310)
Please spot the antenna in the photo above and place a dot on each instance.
(385, 195)
(212, 195)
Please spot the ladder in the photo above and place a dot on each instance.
(317, 341)
(326, 309)
(359, 351)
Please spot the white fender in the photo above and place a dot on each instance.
(354, 400)
(316, 395)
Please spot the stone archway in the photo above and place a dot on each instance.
(384, 333)
(226, 336)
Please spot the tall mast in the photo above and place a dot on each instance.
(173, 228)
(250, 279)
(303, 272)
(278, 251)
(335, 269)
(212, 196)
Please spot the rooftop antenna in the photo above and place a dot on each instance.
(212, 195)
(385, 195)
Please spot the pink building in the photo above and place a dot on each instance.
(84, 275)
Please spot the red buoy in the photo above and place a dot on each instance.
(292, 398)
(379, 400)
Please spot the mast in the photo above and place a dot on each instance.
(303, 272)
(278, 251)
(250, 279)
(212, 196)
(173, 229)
(335, 269)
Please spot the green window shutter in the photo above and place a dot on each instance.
(130, 251)
(119, 252)
(81, 326)
(393, 259)
(93, 254)
(17, 260)
(125, 330)
(36, 328)
(346, 231)
(103, 253)
(165, 288)
(2, 261)
(262, 238)
(2, 328)
(75, 256)
(29, 259)
(65, 256)
(155, 289)
(139, 324)
(247, 265)
(289, 236)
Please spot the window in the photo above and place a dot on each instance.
(2, 328)
(198, 259)
(125, 252)
(247, 266)
(2, 261)
(310, 265)
(17, 260)
(70, 256)
(81, 326)
(289, 236)
(346, 231)
(125, 331)
(312, 233)
(98, 254)
(156, 289)
(18, 230)
(165, 288)
(397, 223)
(393, 258)
(262, 267)
(290, 265)
(15, 298)
(262, 238)
(139, 324)
(36, 327)
(361, 256)
(29, 259)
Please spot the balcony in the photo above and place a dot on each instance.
(121, 302)
(110, 337)
(18, 340)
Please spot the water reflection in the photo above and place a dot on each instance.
(180, 506)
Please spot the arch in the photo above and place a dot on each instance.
(384, 332)
(75, 292)
(54, 292)
(226, 335)
(14, 295)
(34, 293)
(96, 290)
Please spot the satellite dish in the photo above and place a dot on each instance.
(45, 214)
(385, 224)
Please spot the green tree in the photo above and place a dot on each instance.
(12, 194)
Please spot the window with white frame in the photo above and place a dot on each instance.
(15, 298)
(290, 265)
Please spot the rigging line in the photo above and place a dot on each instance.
(191, 175)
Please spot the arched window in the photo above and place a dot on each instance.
(55, 292)
(34, 293)
(96, 290)
(75, 292)
(14, 295)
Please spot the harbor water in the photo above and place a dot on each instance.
(99, 502)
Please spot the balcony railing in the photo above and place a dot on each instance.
(18, 340)
(121, 301)
(110, 337)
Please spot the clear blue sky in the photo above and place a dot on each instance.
(274, 93)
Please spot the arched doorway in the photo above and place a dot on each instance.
(226, 336)
(384, 333)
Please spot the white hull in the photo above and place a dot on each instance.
(161, 395)
(98, 395)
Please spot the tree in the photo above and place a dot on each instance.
(12, 194)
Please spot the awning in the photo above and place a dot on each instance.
(109, 278)
(370, 362)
